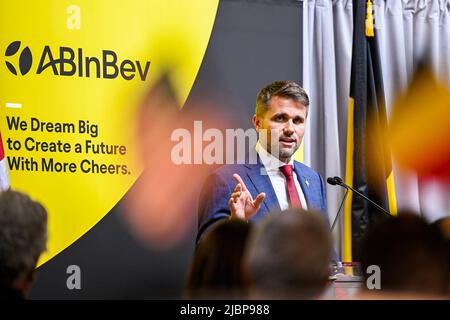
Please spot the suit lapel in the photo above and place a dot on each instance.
(261, 182)
(304, 183)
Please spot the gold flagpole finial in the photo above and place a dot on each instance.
(369, 20)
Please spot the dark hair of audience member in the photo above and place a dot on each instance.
(288, 256)
(442, 226)
(216, 269)
(412, 255)
(23, 237)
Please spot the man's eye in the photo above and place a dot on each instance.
(279, 118)
(298, 120)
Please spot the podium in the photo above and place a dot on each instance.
(345, 282)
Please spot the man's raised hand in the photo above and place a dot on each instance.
(241, 203)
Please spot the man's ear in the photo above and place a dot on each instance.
(256, 122)
(29, 280)
(24, 282)
(246, 275)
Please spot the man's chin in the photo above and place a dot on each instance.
(286, 153)
(283, 153)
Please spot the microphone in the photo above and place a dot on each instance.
(338, 181)
(334, 180)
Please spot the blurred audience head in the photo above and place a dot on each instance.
(216, 269)
(288, 256)
(442, 226)
(411, 255)
(23, 237)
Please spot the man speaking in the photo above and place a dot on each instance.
(275, 182)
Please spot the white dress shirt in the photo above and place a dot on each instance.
(277, 178)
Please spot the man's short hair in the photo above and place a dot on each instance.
(23, 235)
(284, 89)
(289, 254)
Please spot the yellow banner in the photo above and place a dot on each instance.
(72, 75)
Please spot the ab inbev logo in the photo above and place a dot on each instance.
(25, 58)
(66, 61)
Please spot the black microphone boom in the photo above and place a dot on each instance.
(338, 181)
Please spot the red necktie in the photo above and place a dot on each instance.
(294, 199)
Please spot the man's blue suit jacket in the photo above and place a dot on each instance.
(213, 201)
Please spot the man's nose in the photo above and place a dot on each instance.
(288, 129)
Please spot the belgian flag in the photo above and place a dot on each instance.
(367, 123)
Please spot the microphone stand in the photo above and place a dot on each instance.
(342, 184)
(339, 210)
